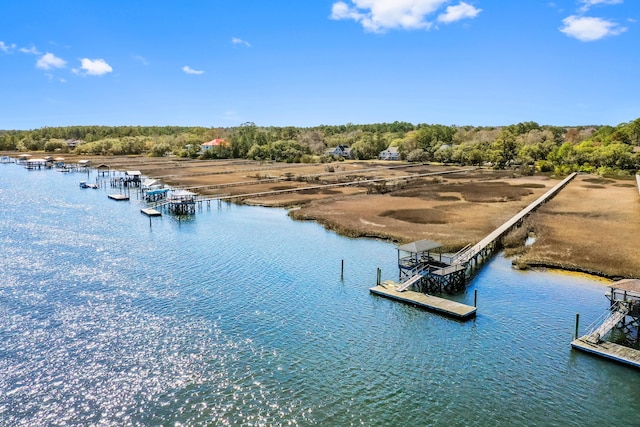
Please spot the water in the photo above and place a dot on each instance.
(239, 317)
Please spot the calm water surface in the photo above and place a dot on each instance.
(239, 317)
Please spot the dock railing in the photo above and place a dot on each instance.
(468, 254)
(606, 321)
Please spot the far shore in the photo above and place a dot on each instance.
(591, 226)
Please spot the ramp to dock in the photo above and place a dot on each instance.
(429, 302)
(610, 323)
(404, 286)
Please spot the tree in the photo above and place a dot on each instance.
(242, 139)
(54, 145)
(504, 150)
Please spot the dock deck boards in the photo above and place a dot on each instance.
(150, 212)
(429, 302)
(118, 197)
(609, 350)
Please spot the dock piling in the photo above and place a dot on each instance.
(575, 336)
(475, 298)
(342, 271)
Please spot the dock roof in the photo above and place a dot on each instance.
(420, 246)
(632, 285)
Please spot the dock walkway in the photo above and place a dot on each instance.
(472, 252)
(225, 198)
(451, 308)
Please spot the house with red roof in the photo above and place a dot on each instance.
(210, 145)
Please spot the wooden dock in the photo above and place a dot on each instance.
(118, 196)
(454, 309)
(609, 350)
(150, 212)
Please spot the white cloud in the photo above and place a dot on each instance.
(32, 50)
(381, 15)
(93, 67)
(49, 61)
(190, 70)
(586, 4)
(236, 40)
(589, 29)
(456, 13)
(6, 47)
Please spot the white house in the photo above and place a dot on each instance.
(340, 151)
(390, 153)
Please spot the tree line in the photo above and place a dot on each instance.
(527, 146)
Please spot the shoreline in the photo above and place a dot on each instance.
(592, 274)
(589, 227)
(534, 266)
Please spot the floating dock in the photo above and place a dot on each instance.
(150, 212)
(609, 350)
(454, 309)
(118, 196)
(623, 315)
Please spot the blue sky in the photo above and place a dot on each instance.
(310, 62)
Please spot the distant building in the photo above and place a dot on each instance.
(390, 153)
(340, 151)
(72, 143)
(214, 143)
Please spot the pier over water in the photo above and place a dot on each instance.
(423, 269)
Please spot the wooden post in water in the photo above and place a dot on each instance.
(577, 325)
(475, 298)
(379, 276)
(342, 271)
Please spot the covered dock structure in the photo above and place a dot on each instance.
(422, 266)
(35, 164)
(181, 202)
(103, 169)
